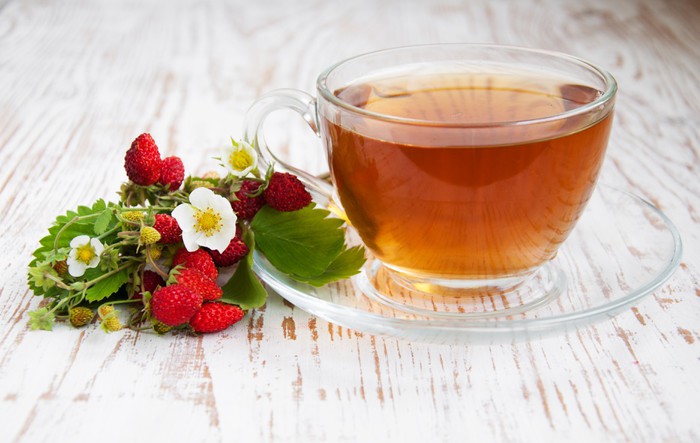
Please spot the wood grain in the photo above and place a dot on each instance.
(81, 78)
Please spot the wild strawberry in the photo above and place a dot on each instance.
(170, 231)
(198, 260)
(110, 320)
(111, 324)
(142, 161)
(198, 282)
(175, 304)
(151, 280)
(149, 283)
(234, 252)
(61, 268)
(215, 317)
(245, 206)
(194, 184)
(172, 173)
(155, 251)
(105, 311)
(160, 327)
(80, 316)
(148, 236)
(286, 193)
(133, 216)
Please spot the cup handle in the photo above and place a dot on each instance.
(302, 103)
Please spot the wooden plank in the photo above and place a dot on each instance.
(80, 79)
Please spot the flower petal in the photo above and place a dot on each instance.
(184, 215)
(225, 235)
(200, 198)
(218, 241)
(221, 206)
(76, 268)
(252, 152)
(97, 246)
(79, 241)
(190, 238)
(94, 261)
(226, 152)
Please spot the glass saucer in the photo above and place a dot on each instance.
(621, 250)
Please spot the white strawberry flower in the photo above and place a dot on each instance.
(84, 254)
(207, 221)
(240, 158)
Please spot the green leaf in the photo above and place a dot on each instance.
(103, 221)
(38, 276)
(60, 254)
(301, 243)
(107, 286)
(41, 318)
(244, 289)
(345, 265)
(66, 227)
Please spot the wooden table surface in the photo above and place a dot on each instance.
(80, 79)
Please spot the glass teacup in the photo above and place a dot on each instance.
(463, 168)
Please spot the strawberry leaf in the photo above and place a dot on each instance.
(41, 318)
(68, 226)
(108, 286)
(345, 265)
(244, 289)
(103, 221)
(301, 243)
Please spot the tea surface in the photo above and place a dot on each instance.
(434, 198)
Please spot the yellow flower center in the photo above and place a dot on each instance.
(85, 253)
(240, 160)
(207, 222)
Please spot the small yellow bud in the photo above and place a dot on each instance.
(160, 327)
(149, 235)
(105, 310)
(155, 251)
(111, 324)
(211, 174)
(133, 216)
(194, 184)
(110, 320)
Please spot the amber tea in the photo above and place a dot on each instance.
(441, 176)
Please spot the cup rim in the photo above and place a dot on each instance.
(608, 94)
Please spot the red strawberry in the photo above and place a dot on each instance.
(286, 193)
(198, 260)
(172, 172)
(198, 282)
(215, 317)
(246, 206)
(175, 304)
(142, 161)
(149, 282)
(168, 229)
(234, 252)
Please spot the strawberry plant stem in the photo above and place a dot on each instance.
(153, 263)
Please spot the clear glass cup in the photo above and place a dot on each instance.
(463, 168)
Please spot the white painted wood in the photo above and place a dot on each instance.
(81, 78)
